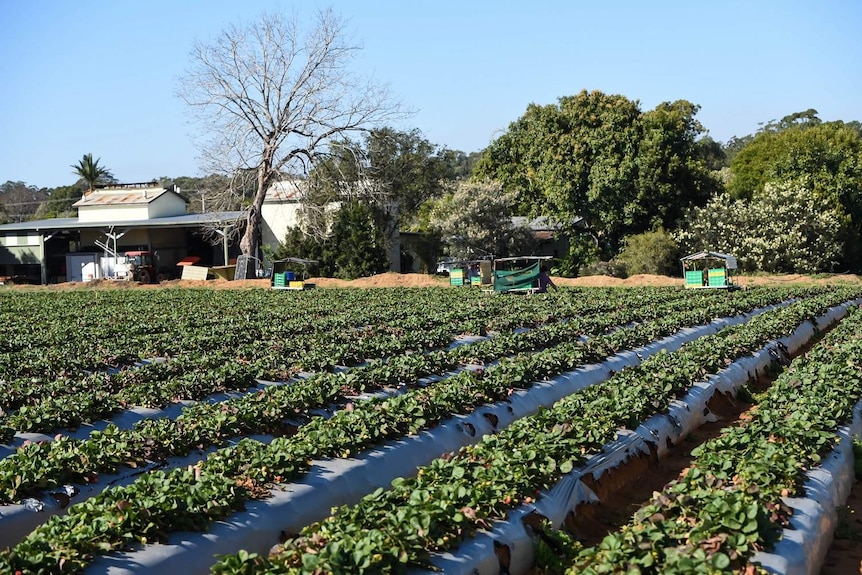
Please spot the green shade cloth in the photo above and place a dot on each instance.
(525, 278)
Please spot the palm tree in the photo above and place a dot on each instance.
(91, 172)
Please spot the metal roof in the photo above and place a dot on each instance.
(524, 258)
(297, 261)
(284, 191)
(124, 196)
(731, 260)
(185, 220)
(542, 223)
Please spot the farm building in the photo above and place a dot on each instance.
(120, 218)
(154, 218)
(549, 236)
(281, 210)
(283, 205)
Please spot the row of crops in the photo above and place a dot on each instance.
(134, 420)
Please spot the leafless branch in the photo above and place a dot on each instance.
(270, 99)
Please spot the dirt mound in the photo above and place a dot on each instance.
(607, 281)
(654, 280)
(389, 279)
(796, 278)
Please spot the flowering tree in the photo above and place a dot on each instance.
(474, 218)
(786, 228)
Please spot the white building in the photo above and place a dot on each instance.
(282, 207)
(280, 211)
(131, 202)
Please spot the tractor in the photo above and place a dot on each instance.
(142, 267)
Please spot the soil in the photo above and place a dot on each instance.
(845, 554)
(624, 490)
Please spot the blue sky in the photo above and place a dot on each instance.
(100, 76)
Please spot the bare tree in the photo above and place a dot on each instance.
(271, 98)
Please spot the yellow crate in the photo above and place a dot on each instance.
(296, 285)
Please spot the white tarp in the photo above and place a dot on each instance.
(477, 556)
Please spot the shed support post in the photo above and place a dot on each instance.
(42, 260)
(224, 245)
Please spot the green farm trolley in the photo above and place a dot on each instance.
(709, 270)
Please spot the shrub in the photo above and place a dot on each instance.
(651, 253)
(612, 268)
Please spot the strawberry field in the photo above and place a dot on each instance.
(404, 430)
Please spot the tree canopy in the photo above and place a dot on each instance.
(475, 220)
(89, 170)
(19, 202)
(394, 173)
(824, 157)
(785, 229)
(59, 202)
(354, 248)
(598, 165)
(828, 154)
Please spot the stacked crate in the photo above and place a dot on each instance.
(456, 277)
(283, 279)
(717, 277)
(693, 278)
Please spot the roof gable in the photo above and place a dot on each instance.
(125, 195)
(285, 191)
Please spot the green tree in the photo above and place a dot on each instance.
(805, 118)
(407, 167)
(712, 153)
(406, 171)
(353, 248)
(388, 167)
(736, 144)
(356, 247)
(599, 166)
(299, 244)
(672, 169)
(755, 159)
(475, 220)
(60, 200)
(394, 173)
(20, 201)
(462, 164)
(517, 158)
(825, 157)
(91, 172)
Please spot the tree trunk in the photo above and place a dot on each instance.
(249, 242)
